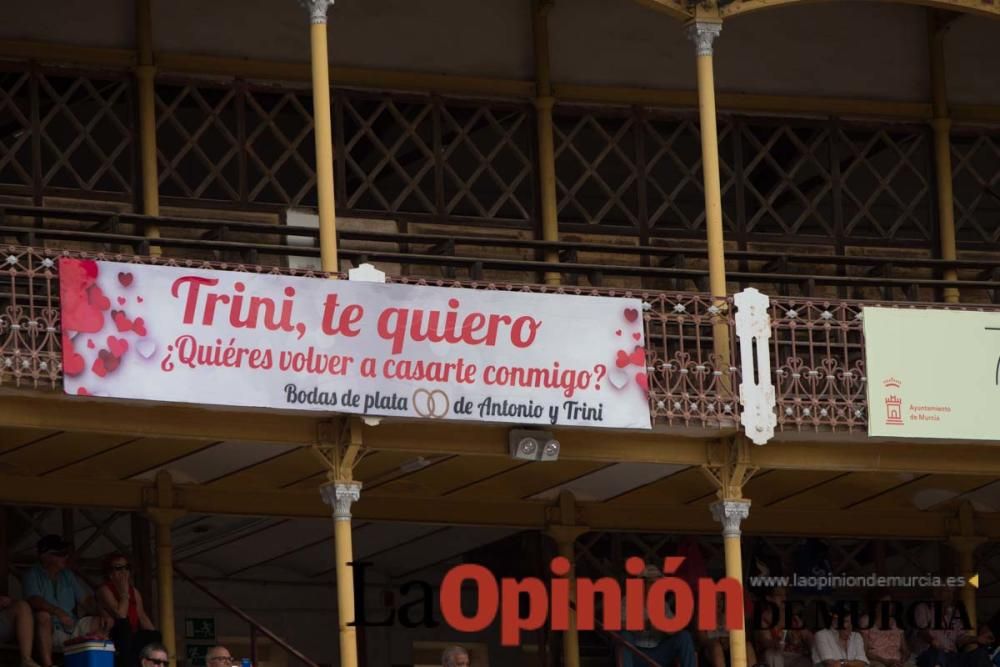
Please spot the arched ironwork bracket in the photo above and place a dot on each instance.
(729, 467)
(339, 446)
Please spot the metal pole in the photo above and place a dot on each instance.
(145, 73)
(340, 496)
(544, 101)
(703, 33)
(324, 135)
(942, 148)
(730, 513)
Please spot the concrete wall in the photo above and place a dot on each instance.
(849, 49)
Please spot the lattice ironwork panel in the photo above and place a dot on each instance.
(15, 130)
(85, 130)
(487, 166)
(976, 182)
(787, 184)
(886, 174)
(388, 154)
(597, 179)
(674, 185)
(197, 142)
(280, 148)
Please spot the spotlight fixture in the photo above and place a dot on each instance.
(529, 445)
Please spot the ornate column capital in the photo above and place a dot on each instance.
(317, 9)
(703, 33)
(340, 496)
(730, 513)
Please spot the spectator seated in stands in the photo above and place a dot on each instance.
(662, 647)
(979, 650)
(715, 643)
(121, 605)
(455, 656)
(56, 595)
(839, 645)
(153, 655)
(16, 622)
(885, 643)
(938, 645)
(783, 642)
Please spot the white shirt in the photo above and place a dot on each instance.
(827, 646)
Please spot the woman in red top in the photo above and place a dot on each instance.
(121, 602)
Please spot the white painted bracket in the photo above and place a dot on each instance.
(366, 273)
(753, 330)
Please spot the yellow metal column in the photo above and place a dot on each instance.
(965, 545)
(565, 535)
(340, 495)
(145, 73)
(730, 513)
(164, 514)
(323, 132)
(544, 101)
(942, 146)
(703, 32)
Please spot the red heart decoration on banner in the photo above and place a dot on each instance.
(642, 380)
(139, 299)
(618, 333)
(82, 391)
(90, 344)
(139, 326)
(621, 361)
(117, 346)
(82, 300)
(121, 320)
(638, 357)
(73, 362)
(631, 314)
(125, 279)
(97, 299)
(105, 363)
(121, 301)
(636, 336)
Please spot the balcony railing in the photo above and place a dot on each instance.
(662, 266)
(817, 343)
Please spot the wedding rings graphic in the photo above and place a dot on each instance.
(433, 404)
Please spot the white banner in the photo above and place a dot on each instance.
(243, 339)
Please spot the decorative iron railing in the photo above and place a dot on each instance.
(817, 346)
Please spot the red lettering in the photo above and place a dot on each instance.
(656, 601)
(511, 621)
(396, 330)
(732, 598)
(194, 284)
(559, 615)
(351, 315)
(586, 603)
(487, 598)
(517, 335)
(635, 595)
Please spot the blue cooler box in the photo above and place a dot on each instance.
(90, 654)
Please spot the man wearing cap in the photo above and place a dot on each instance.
(662, 647)
(55, 595)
